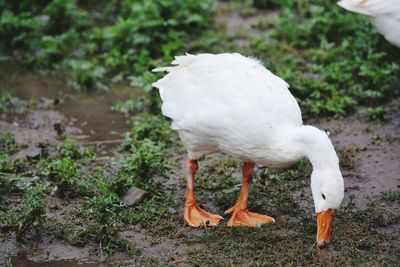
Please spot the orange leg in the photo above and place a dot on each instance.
(194, 215)
(241, 216)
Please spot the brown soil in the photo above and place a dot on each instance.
(240, 27)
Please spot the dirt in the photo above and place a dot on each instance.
(90, 112)
(83, 116)
(241, 27)
(36, 130)
(159, 249)
(376, 169)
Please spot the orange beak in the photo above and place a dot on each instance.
(324, 221)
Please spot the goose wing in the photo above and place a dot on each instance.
(213, 91)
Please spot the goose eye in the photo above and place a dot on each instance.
(323, 196)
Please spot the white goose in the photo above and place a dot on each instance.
(231, 104)
(383, 14)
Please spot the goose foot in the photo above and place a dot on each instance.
(243, 217)
(197, 217)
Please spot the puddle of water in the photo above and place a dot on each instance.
(21, 260)
(91, 111)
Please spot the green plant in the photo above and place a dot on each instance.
(146, 160)
(377, 114)
(154, 213)
(347, 156)
(391, 196)
(9, 103)
(124, 39)
(152, 127)
(7, 143)
(98, 218)
(31, 215)
(64, 173)
(71, 149)
(132, 105)
(105, 209)
(7, 164)
(7, 186)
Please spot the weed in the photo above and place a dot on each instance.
(7, 186)
(7, 143)
(105, 209)
(127, 42)
(98, 218)
(73, 150)
(64, 173)
(9, 103)
(391, 195)
(152, 127)
(146, 160)
(154, 213)
(262, 23)
(347, 156)
(377, 114)
(217, 174)
(376, 139)
(132, 106)
(7, 164)
(355, 240)
(31, 214)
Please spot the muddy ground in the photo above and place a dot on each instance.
(370, 153)
(372, 168)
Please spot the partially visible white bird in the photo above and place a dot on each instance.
(383, 14)
(231, 104)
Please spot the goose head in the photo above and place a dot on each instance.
(328, 190)
(327, 183)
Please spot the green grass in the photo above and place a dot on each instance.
(347, 156)
(103, 40)
(7, 143)
(30, 216)
(155, 128)
(217, 174)
(329, 56)
(74, 150)
(132, 106)
(65, 173)
(391, 195)
(378, 114)
(9, 165)
(356, 241)
(9, 103)
(357, 236)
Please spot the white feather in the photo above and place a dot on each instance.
(383, 14)
(200, 92)
(231, 104)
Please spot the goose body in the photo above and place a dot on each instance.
(232, 104)
(383, 14)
